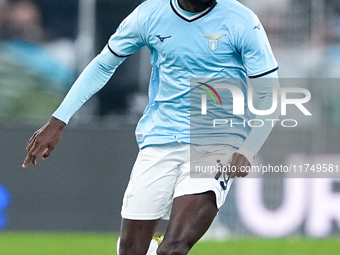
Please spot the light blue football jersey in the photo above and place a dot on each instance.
(224, 41)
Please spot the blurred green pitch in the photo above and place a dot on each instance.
(35, 243)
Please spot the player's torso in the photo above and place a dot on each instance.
(182, 49)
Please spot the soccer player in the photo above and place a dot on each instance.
(187, 39)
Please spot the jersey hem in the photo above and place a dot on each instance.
(236, 143)
(129, 216)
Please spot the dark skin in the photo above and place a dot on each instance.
(43, 141)
(191, 215)
(194, 6)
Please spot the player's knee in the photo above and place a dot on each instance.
(173, 249)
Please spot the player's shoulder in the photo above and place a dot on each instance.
(238, 10)
(149, 7)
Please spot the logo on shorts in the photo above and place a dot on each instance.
(213, 42)
(129, 196)
(126, 200)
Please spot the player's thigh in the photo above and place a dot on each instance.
(190, 218)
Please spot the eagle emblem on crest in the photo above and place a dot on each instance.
(213, 42)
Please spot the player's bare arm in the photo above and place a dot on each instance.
(44, 141)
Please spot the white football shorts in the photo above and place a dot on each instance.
(162, 173)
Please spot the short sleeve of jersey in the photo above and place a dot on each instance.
(255, 50)
(127, 39)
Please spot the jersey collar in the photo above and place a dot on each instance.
(189, 17)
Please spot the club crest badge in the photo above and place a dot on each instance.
(213, 42)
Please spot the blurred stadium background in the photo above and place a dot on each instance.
(44, 45)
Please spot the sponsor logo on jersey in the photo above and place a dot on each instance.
(213, 42)
(258, 26)
(162, 38)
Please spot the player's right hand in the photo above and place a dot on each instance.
(238, 162)
(44, 141)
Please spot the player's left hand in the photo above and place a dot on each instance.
(239, 166)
